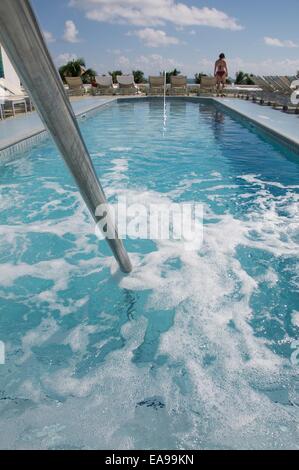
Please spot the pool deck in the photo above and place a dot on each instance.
(16, 129)
(283, 125)
(23, 128)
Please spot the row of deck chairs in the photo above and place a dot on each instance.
(103, 85)
(274, 91)
(178, 86)
(126, 85)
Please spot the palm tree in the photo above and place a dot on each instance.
(138, 76)
(198, 77)
(173, 73)
(243, 78)
(76, 68)
(114, 75)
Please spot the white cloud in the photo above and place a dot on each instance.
(150, 64)
(154, 37)
(49, 36)
(274, 42)
(155, 63)
(71, 32)
(65, 57)
(123, 62)
(114, 51)
(155, 13)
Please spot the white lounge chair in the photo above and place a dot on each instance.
(273, 93)
(277, 88)
(178, 85)
(263, 84)
(284, 83)
(75, 85)
(126, 85)
(207, 85)
(104, 85)
(12, 105)
(10, 90)
(156, 85)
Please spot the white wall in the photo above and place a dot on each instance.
(10, 74)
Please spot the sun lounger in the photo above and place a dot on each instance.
(12, 105)
(291, 79)
(178, 85)
(284, 83)
(126, 85)
(10, 90)
(279, 85)
(156, 85)
(104, 85)
(267, 93)
(276, 88)
(207, 85)
(275, 91)
(279, 96)
(75, 85)
(265, 86)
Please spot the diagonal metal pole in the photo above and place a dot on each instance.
(23, 41)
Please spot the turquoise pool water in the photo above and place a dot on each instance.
(190, 351)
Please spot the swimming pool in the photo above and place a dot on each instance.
(189, 351)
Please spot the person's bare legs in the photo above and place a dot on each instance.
(219, 85)
(222, 87)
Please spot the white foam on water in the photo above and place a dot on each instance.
(271, 277)
(118, 170)
(254, 179)
(223, 392)
(220, 187)
(37, 337)
(295, 318)
(121, 149)
(98, 154)
(210, 385)
(78, 338)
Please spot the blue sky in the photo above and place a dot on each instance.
(258, 36)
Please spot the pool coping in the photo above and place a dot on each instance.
(280, 136)
(228, 104)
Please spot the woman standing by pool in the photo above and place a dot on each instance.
(221, 73)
